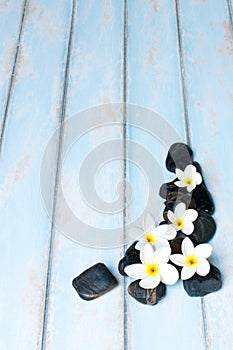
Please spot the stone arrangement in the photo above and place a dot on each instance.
(187, 191)
(177, 248)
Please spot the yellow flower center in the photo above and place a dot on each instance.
(179, 223)
(149, 237)
(191, 261)
(152, 269)
(188, 181)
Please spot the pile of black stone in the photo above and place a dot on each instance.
(179, 156)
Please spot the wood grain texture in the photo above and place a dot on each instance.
(95, 79)
(208, 41)
(11, 24)
(33, 116)
(155, 82)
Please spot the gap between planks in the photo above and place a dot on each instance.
(57, 176)
(12, 78)
(125, 156)
(188, 132)
(230, 10)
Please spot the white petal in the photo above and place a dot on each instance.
(178, 259)
(162, 255)
(140, 244)
(190, 170)
(187, 272)
(180, 210)
(188, 228)
(198, 178)
(179, 184)
(191, 215)
(190, 188)
(203, 267)
(150, 282)
(169, 231)
(203, 250)
(169, 274)
(180, 174)
(187, 247)
(161, 231)
(149, 222)
(136, 271)
(161, 243)
(135, 233)
(147, 254)
(170, 216)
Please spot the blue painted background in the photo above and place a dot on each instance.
(58, 58)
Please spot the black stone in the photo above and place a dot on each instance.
(163, 223)
(175, 198)
(179, 156)
(175, 245)
(201, 197)
(132, 256)
(147, 296)
(198, 286)
(204, 227)
(172, 202)
(94, 282)
(168, 189)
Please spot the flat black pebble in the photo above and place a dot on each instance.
(199, 286)
(147, 296)
(204, 227)
(94, 282)
(132, 256)
(179, 156)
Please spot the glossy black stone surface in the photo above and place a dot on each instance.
(199, 198)
(147, 296)
(199, 286)
(204, 228)
(94, 282)
(132, 256)
(179, 156)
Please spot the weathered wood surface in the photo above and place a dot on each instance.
(57, 59)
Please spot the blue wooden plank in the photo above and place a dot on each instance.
(11, 24)
(156, 83)
(95, 79)
(33, 116)
(208, 58)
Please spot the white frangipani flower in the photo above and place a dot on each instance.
(193, 260)
(189, 178)
(154, 268)
(182, 219)
(157, 236)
